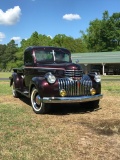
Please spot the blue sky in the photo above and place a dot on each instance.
(20, 18)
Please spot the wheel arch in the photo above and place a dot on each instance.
(13, 78)
(31, 88)
(35, 83)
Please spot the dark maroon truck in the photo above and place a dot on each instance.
(49, 76)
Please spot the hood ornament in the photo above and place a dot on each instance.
(70, 79)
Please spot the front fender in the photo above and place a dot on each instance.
(44, 88)
(37, 83)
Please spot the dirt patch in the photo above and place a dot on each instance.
(4, 82)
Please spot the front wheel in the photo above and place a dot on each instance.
(93, 104)
(38, 106)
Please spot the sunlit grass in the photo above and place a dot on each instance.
(5, 88)
(5, 74)
(111, 88)
(110, 77)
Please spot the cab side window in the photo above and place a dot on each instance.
(28, 59)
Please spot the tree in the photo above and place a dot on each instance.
(9, 53)
(44, 40)
(103, 35)
(58, 40)
(34, 39)
(92, 39)
(2, 52)
(80, 46)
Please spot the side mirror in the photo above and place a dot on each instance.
(77, 61)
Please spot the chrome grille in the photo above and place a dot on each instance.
(73, 73)
(75, 87)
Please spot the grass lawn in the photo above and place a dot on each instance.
(68, 132)
(5, 88)
(5, 74)
(110, 77)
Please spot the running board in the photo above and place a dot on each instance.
(23, 92)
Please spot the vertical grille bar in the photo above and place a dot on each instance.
(75, 87)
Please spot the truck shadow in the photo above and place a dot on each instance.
(65, 109)
(25, 100)
(75, 108)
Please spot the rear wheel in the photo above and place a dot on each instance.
(38, 106)
(14, 92)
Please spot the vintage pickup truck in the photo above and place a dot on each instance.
(49, 76)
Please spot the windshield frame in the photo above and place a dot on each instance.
(49, 55)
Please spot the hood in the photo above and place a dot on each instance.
(62, 66)
(61, 69)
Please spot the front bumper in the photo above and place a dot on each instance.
(71, 99)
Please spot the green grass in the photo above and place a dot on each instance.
(111, 88)
(5, 88)
(110, 77)
(5, 74)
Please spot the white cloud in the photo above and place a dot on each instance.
(25, 39)
(11, 16)
(71, 17)
(2, 36)
(50, 36)
(18, 39)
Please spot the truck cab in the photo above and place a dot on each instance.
(49, 76)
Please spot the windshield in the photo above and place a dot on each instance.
(52, 56)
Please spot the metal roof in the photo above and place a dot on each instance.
(96, 58)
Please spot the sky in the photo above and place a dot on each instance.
(20, 18)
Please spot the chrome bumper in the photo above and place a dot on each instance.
(71, 99)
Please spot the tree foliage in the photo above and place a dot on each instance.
(103, 35)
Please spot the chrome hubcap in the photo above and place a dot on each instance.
(37, 99)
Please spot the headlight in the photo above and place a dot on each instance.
(92, 91)
(63, 93)
(97, 78)
(50, 78)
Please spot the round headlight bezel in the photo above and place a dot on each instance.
(50, 78)
(97, 78)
